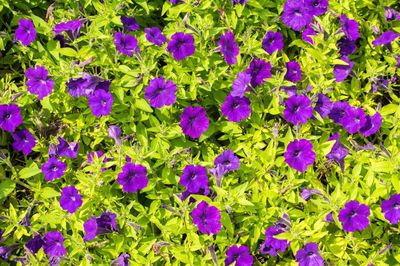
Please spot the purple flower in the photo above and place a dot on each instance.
(391, 208)
(126, 44)
(70, 199)
(338, 151)
(299, 154)
(95, 154)
(23, 141)
(298, 109)
(271, 245)
(203, 190)
(207, 218)
(295, 15)
(100, 102)
(34, 244)
(346, 46)
(114, 132)
(10, 117)
(236, 108)
(53, 169)
(105, 223)
(349, 28)
(309, 256)
(67, 149)
(338, 110)
(323, 105)
(218, 172)
(353, 120)
(308, 32)
(293, 72)
(354, 216)
(259, 70)
(122, 260)
(181, 45)
(329, 217)
(229, 48)
(379, 83)
(154, 35)
(229, 160)
(54, 244)
(71, 28)
(87, 85)
(241, 84)
(307, 193)
(194, 121)
(130, 23)
(38, 82)
(133, 177)
(193, 178)
(386, 38)
(273, 41)
(371, 125)
(341, 72)
(160, 92)
(174, 2)
(289, 90)
(316, 7)
(242, 2)
(240, 255)
(391, 14)
(6, 251)
(25, 33)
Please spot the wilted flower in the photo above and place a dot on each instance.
(259, 70)
(371, 125)
(133, 177)
(130, 23)
(236, 108)
(293, 72)
(155, 36)
(299, 154)
(38, 81)
(379, 83)
(298, 109)
(307, 193)
(354, 216)
(271, 245)
(10, 117)
(54, 244)
(26, 32)
(160, 92)
(391, 14)
(71, 28)
(346, 46)
(67, 149)
(53, 169)
(349, 28)
(6, 251)
(309, 256)
(386, 38)
(126, 44)
(114, 132)
(181, 45)
(100, 102)
(338, 151)
(207, 218)
(240, 255)
(341, 72)
(391, 208)
(34, 244)
(23, 141)
(241, 84)
(228, 159)
(229, 48)
(296, 15)
(70, 199)
(193, 178)
(122, 260)
(105, 223)
(273, 41)
(194, 121)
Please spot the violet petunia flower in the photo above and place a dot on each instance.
(204, 190)
(241, 84)
(85, 86)
(316, 7)
(71, 28)
(207, 218)
(38, 81)
(133, 177)
(95, 154)
(105, 223)
(391, 208)
(309, 256)
(259, 70)
(10, 117)
(193, 178)
(329, 217)
(67, 149)
(298, 109)
(341, 72)
(346, 46)
(229, 160)
(293, 72)
(323, 105)
(391, 14)
(114, 132)
(154, 35)
(53, 169)
(26, 32)
(194, 121)
(70, 199)
(23, 141)
(240, 255)
(160, 92)
(218, 172)
(271, 245)
(354, 216)
(130, 23)
(371, 125)
(229, 48)
(126, 44)
(175, 2)
(379, 83)
(295, 15)
(299, 154)
(236, 109)
(241, 2)
(100, 102)
(181, 45)
(353, 120)
(338, 110)
(122, 260)
(308, 32)
(338, 151)
(53, 244)
(273, 41)
(349, 28)
(34, 244)
(6, 251)
(306, 193)
(386, 38)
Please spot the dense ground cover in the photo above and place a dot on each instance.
(199, 132)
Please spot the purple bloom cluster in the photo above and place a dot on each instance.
(293, 72)
(53, 169)
(236, 108)
(122, 260)
(194, 121)
(71, 28)
(70, 199)
(194, 178)
(391, 208)
(299, 154)
(10, 117)
(160, 92)
(154, 35)
(298, 109)
(224, 163)
(386, 38)
(207, 218)
(38, 81)
(271, 245)
(53, 244)
(126, 44)
(133, 177)
(181, 45)
(273, 41)
(67, 149)
(259, 70)
(240, 85)
(341, 72)
(240, 255)
(309, 255)
(23, 141)
(130, 23)
(338, 151)
(26, 32)
(105, 223)
(229, 48)
(354, 216)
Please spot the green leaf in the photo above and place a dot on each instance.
(6, 187)
(142, 104)
(32, 170)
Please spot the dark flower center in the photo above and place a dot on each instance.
(179, 43)
(352, 214)
(297, 12)
(54, 168)
(296, 153)
(226, 162)
(7, 116)
(396, 205)
(235, 256)
(159, 90)
(192, 175)
(296, 108)
(103, 102)
(310, 253)
(316, 3)
(235, 104)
